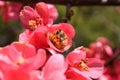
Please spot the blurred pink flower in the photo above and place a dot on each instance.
(2, 3)
(112, 72)
(117, 68)
(101, 49)
(82, 67)
(10, 10)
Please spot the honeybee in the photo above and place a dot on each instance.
(59, 39)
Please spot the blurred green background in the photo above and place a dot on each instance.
(89, 22)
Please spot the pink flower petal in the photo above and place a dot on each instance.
(17, 75)
(108, 50)
(26, 14)
(76, 55)
(25, 36)
(56, 75)
(36, 61)
(38, 38)
(67, 28)
(43, 11)
(96, 68)
(27, 50)
(11, 52)
(74, 74)
(54, 66)
(53, 11)
(117, 66)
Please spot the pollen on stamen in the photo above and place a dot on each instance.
(32, 24)
(59, 39)
(20, 60)
(39, 21)
(83, 66)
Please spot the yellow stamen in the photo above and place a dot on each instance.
(20, 60)
(83, 65)
(59, 39)
(32, 24)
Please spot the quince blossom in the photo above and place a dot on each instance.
(11, 72)
(37, 37)
(29, 59)
(23, 55)
(10, 10)
(58, 37)
(101, 49)
(81, 67)
(41, 15)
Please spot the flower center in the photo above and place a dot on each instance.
(82, 65)
(59, 39)
(35, 23)
(20, 60)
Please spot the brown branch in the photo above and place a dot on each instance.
(74, 2)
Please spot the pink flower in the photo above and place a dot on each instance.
(10, 10)
(2, 3)
(101, 49)
(23, 55)
(54, 68)
(11, 72)
(83, 67)
(44, 12)
(37, 38)
(111, 72)
(41, 15)
(30, 18)
(53, 11)
(60, 36)
(117, 69)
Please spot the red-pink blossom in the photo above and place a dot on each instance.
(41, 15)
(11, 72)
(2, 3)
(60, 36)
(101, 49)
(37, 37)
(30, 18)
(10, 10)
(79, 65)
(112, 72)
(117, 69)
(23, 55)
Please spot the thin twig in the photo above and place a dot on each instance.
(74, 2)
